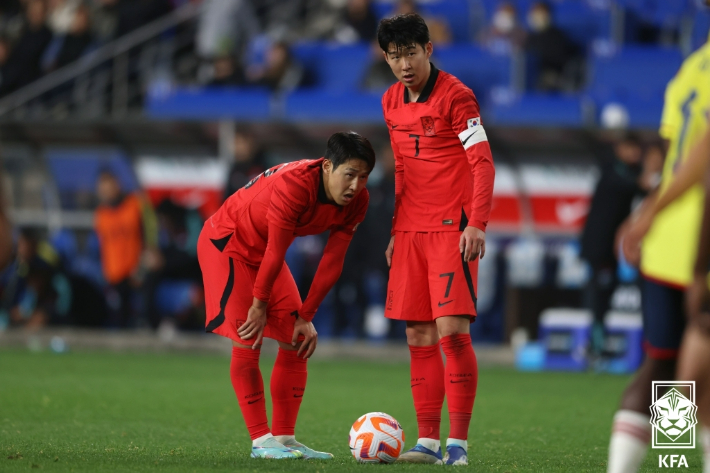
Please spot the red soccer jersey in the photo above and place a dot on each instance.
(257, 223)
(290, 195)
(443, 165)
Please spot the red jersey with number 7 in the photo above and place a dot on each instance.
(443, 164)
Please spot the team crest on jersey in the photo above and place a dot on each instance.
(428, 125)
(474, 122)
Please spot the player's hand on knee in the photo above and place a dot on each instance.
(390, 251)
(310, 337)
(472, 243)
(254, 325)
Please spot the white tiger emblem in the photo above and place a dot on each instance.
(673, 414)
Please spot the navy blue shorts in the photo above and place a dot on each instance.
(663, 319)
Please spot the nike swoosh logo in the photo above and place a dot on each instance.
(255, 400)
(442, 304)
(469, 137)
(394, 126)
(298, 395)
(416, 384)
(456, 382)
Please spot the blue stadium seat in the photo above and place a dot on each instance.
(210, 103)
(701, 27)
(64, 242)
(174, 296)
(317, 106)
(335, 67)
(634, 71)
(583, 20)
(456, 14)
(75, 171)
(535, 110)
(661, 13)
(643, 112)
(476, 67)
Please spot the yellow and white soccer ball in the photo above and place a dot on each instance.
(376, 437)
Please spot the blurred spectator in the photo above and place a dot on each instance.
(11, 19)
(225, 26)
(379, 74)
(359, 23)
(249, 161)
(504, 33)
(126, 228)
(6, 243)
(611, 203)
(61, 15)
(439, 31)
(23, 65)
(179, 229)
(281, 72)
(35, 297)
(555, 54)
(226, 71)
(76, 41)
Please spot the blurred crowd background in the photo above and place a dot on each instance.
(125, 123)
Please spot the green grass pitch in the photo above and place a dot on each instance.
(94, 412)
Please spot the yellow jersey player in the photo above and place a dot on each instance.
(668, 252)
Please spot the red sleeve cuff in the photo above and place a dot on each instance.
(478, 224)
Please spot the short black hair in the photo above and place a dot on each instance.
(402, 31)
(346, 145)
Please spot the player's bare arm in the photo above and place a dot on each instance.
(697, 295)
(256, 321)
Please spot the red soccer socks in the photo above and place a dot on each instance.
(461, 380)
(249, 388)
(427, 381)
(288, 383)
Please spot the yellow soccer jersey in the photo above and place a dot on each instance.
(669, 248)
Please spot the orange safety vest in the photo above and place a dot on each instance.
(120, 232)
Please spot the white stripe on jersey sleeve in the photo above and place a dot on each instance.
(472, 136)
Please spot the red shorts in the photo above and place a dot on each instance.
(229, 285)
(429, 278)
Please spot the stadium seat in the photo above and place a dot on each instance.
(317, 106)
(456, 14)
(535, 110)
(335, 67)
(173, 297)
(210, 104)
(637, 71)
(661, 13)
(476, 67)
(75, 171)
(583, 20)
(64, 242)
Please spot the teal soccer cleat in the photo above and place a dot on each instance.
(307, 452)
(274, 450)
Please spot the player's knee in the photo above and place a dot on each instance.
(420, 335)
(453, 325)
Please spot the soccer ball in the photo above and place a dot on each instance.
(376, 438)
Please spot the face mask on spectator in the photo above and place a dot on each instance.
(504, 21)
(538, 20)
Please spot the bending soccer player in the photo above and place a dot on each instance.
(443, 189)
(249, 290)
(669, 228)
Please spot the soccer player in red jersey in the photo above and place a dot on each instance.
(249, 290)
(443, 189)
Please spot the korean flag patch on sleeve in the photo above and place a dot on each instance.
(474, 122)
